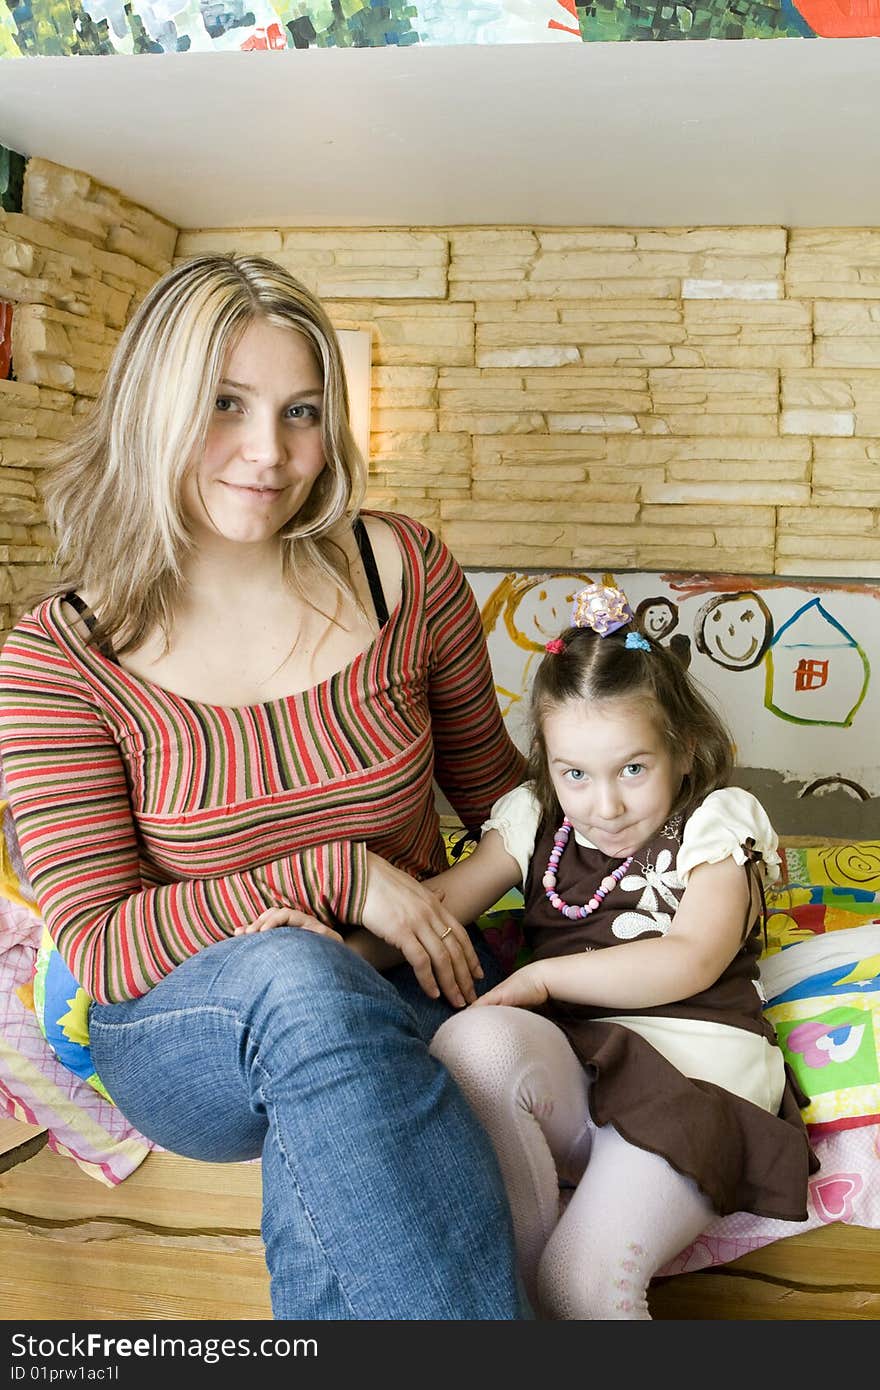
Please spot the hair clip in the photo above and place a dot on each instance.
(603, 607)
(555, 646)
(635, 639)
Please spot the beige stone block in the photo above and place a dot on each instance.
(490, 268)
(554, 482)
(619, 319)
(847, 454)
(155, 234)
(423, 509)
(827, 547)
(31, 451)
(843, 497)
(657, 511)
(123, 271)
(696, 422)
(600, 289)
(746, 473)
(521, 536)
(15, 394)
(737, 321)
(48, 237)
(826, 263)
(21, 289)
(633, 355)
(127, 243)
(409, 421)
(847, 318)
(29, 555)
(867, 422)
(719, 241)
(551, 393)
(108, 305)
(711, 450)
(244, 241)
(847, 352)
(697, 385)
(705, 560)
(705, 490)
(16, 255)
(587, 239)
(409, 378)
(836, 520)
(493, 553)
(835, 390)
(396, 395)
(515, 311)
(530, 421)
(840, 422)
(369, 282)
(530, 356)
(800, 566)
(581, 422)
(709, 288)
(423, 466)
(772, 355)
(490, 241)
(556, 511)
(20, 509)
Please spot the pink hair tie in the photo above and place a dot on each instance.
(555, 646)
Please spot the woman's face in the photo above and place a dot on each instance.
(263, 450)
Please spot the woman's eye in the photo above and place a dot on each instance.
(574, 774)
(303, 412)
(633, 769)
(225, 405)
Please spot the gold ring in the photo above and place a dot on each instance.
(446, 933)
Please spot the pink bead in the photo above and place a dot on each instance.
(608, 883)
(594, 903)
(549, 880)
(571, 912)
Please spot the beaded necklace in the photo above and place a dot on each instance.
(573, 910)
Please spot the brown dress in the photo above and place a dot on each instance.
(742, 1157)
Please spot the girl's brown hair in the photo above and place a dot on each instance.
(597, 669)
(114, 494)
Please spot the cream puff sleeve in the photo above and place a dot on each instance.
(515, 816)
(721, 827)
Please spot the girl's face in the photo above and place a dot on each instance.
(615, 777)
(263, 450)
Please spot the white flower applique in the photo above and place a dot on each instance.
(658, 882)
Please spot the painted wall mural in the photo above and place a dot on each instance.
(788, 664)
(72, 28)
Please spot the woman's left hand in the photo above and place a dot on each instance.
(523, 989)
(286, 917)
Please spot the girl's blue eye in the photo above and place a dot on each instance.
(633, 769)
(574, 774)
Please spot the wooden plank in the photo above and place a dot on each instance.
(47, 1276)
(19, 1142)
(165, 1191)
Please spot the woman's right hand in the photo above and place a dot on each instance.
(400, 910)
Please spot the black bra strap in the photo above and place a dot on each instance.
(372, 571)
(90, 621)
(82, 609)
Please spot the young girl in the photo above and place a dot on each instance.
(630, 1058)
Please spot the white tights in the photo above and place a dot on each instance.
(630, 1213)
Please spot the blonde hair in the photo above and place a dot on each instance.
(113, 494)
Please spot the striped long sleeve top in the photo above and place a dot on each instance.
(152, 825)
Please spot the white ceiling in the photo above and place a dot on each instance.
(783, 131)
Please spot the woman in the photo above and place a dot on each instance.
(236, 700)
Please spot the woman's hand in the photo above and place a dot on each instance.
(523, 989)
(400, 910)
(286, 917)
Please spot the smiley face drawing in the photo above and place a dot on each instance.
(734, 630)
(656, 617)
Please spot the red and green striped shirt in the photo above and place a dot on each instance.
(152, 825)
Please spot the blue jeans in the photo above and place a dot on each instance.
(382, 1197)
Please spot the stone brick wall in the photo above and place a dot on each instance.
(697, 399)
(693, 399)
(73, 263)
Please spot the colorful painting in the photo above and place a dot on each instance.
(98, 27)
(788, 664)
